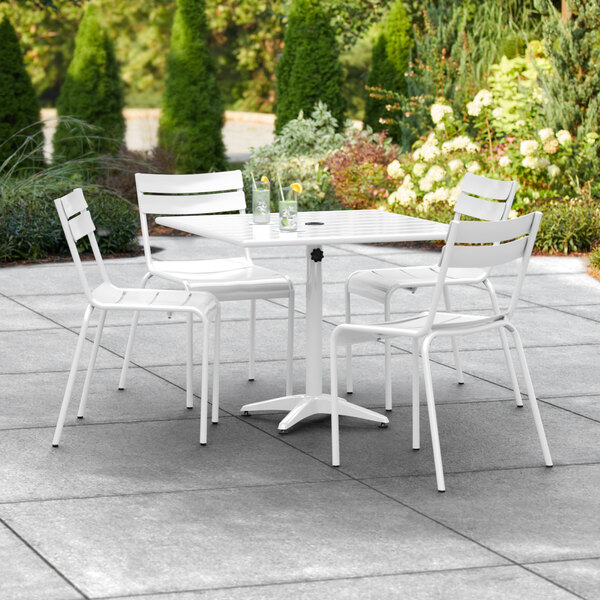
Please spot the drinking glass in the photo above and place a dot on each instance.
(288, 211)
(261, 202)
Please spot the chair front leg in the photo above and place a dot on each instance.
(388, 358)
(457, 362)
(204, 394)
(335, 418)
(435, 438)
(348, 313)
(252, 350)
(416, 426)
(531, 395)
(92, 363)
(189, 363)
(505, 347)
(216, 367)
(69, 389)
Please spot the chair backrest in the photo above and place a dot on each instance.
(483, 245)
(195, 194)
(77, 223)
(484, 198)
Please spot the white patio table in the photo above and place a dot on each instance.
(315, 230)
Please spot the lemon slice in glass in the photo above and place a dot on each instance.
(297, 187)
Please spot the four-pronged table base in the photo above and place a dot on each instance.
(305, 405)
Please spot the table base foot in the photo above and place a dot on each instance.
(302, 406)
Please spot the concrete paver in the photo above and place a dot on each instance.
(131, 506)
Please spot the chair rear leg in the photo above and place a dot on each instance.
(252, 350)
(457, 362)
(531, 395)
(130, 340)
(189, 363)
(435, 438)
(204, 394)
(216, 367)
(505, 346)
(349, 383)
(416, 426)
(289, 381)
(69, 389)
(91, 365)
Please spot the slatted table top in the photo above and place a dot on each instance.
(315, 228)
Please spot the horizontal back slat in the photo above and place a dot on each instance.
(477, 232)
(192, 205)
(81, 225)
(482, 257)
(197, 183)
(478, 208)
(73, 203)
(488, 188)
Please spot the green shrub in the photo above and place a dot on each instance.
(93, 93)
(298, 154)
(358, 170)
(30, 228)
(595, 258)
(309, 69)
(192, 115)
(569, 225)
(20, 128)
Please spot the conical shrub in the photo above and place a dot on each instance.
(92, 92)
(20, 127)
(192, 113)
(309, 69)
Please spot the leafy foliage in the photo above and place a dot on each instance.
(19, 109)
(192, 116)
(92, 92)
(309, 69)
(358, 170)
(297, 155)
(573, 85)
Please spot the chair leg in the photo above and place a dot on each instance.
(204, 394)
(505, 346)
(416, 429)
(289, 380)
(189, 364)
(388, 359)
(69, 389)
(531, 395)
(349, 383)
(252, 351)
(92, 363)
(130, 340)
(457, 361)
(216, 367)
(435, 438)
(335, 419)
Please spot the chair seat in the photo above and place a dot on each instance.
(108, 295)
(444, 322)
(378, 283)
(228, 279)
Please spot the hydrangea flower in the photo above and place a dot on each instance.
(529, 147)
(545, 134)
(419, 169)
(474, 108)
(563, 137)
(394, 170)
(497, 113)
(436, 173)
(484, 97)
(504, 161)
(473, 167)
(438, 111)
(553, 171)
(455, 164)
(551, 146)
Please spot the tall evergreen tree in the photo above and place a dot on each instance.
(92, 92)
(573, 85)
(389, 63)
(192, 116)
(19, 110)
(309, 69)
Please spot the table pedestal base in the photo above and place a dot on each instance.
(306, 405)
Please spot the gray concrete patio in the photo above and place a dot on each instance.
(131, 506)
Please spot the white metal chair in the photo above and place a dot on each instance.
(480, 198)
(227, 278)
(480, 245)
(77, 223)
